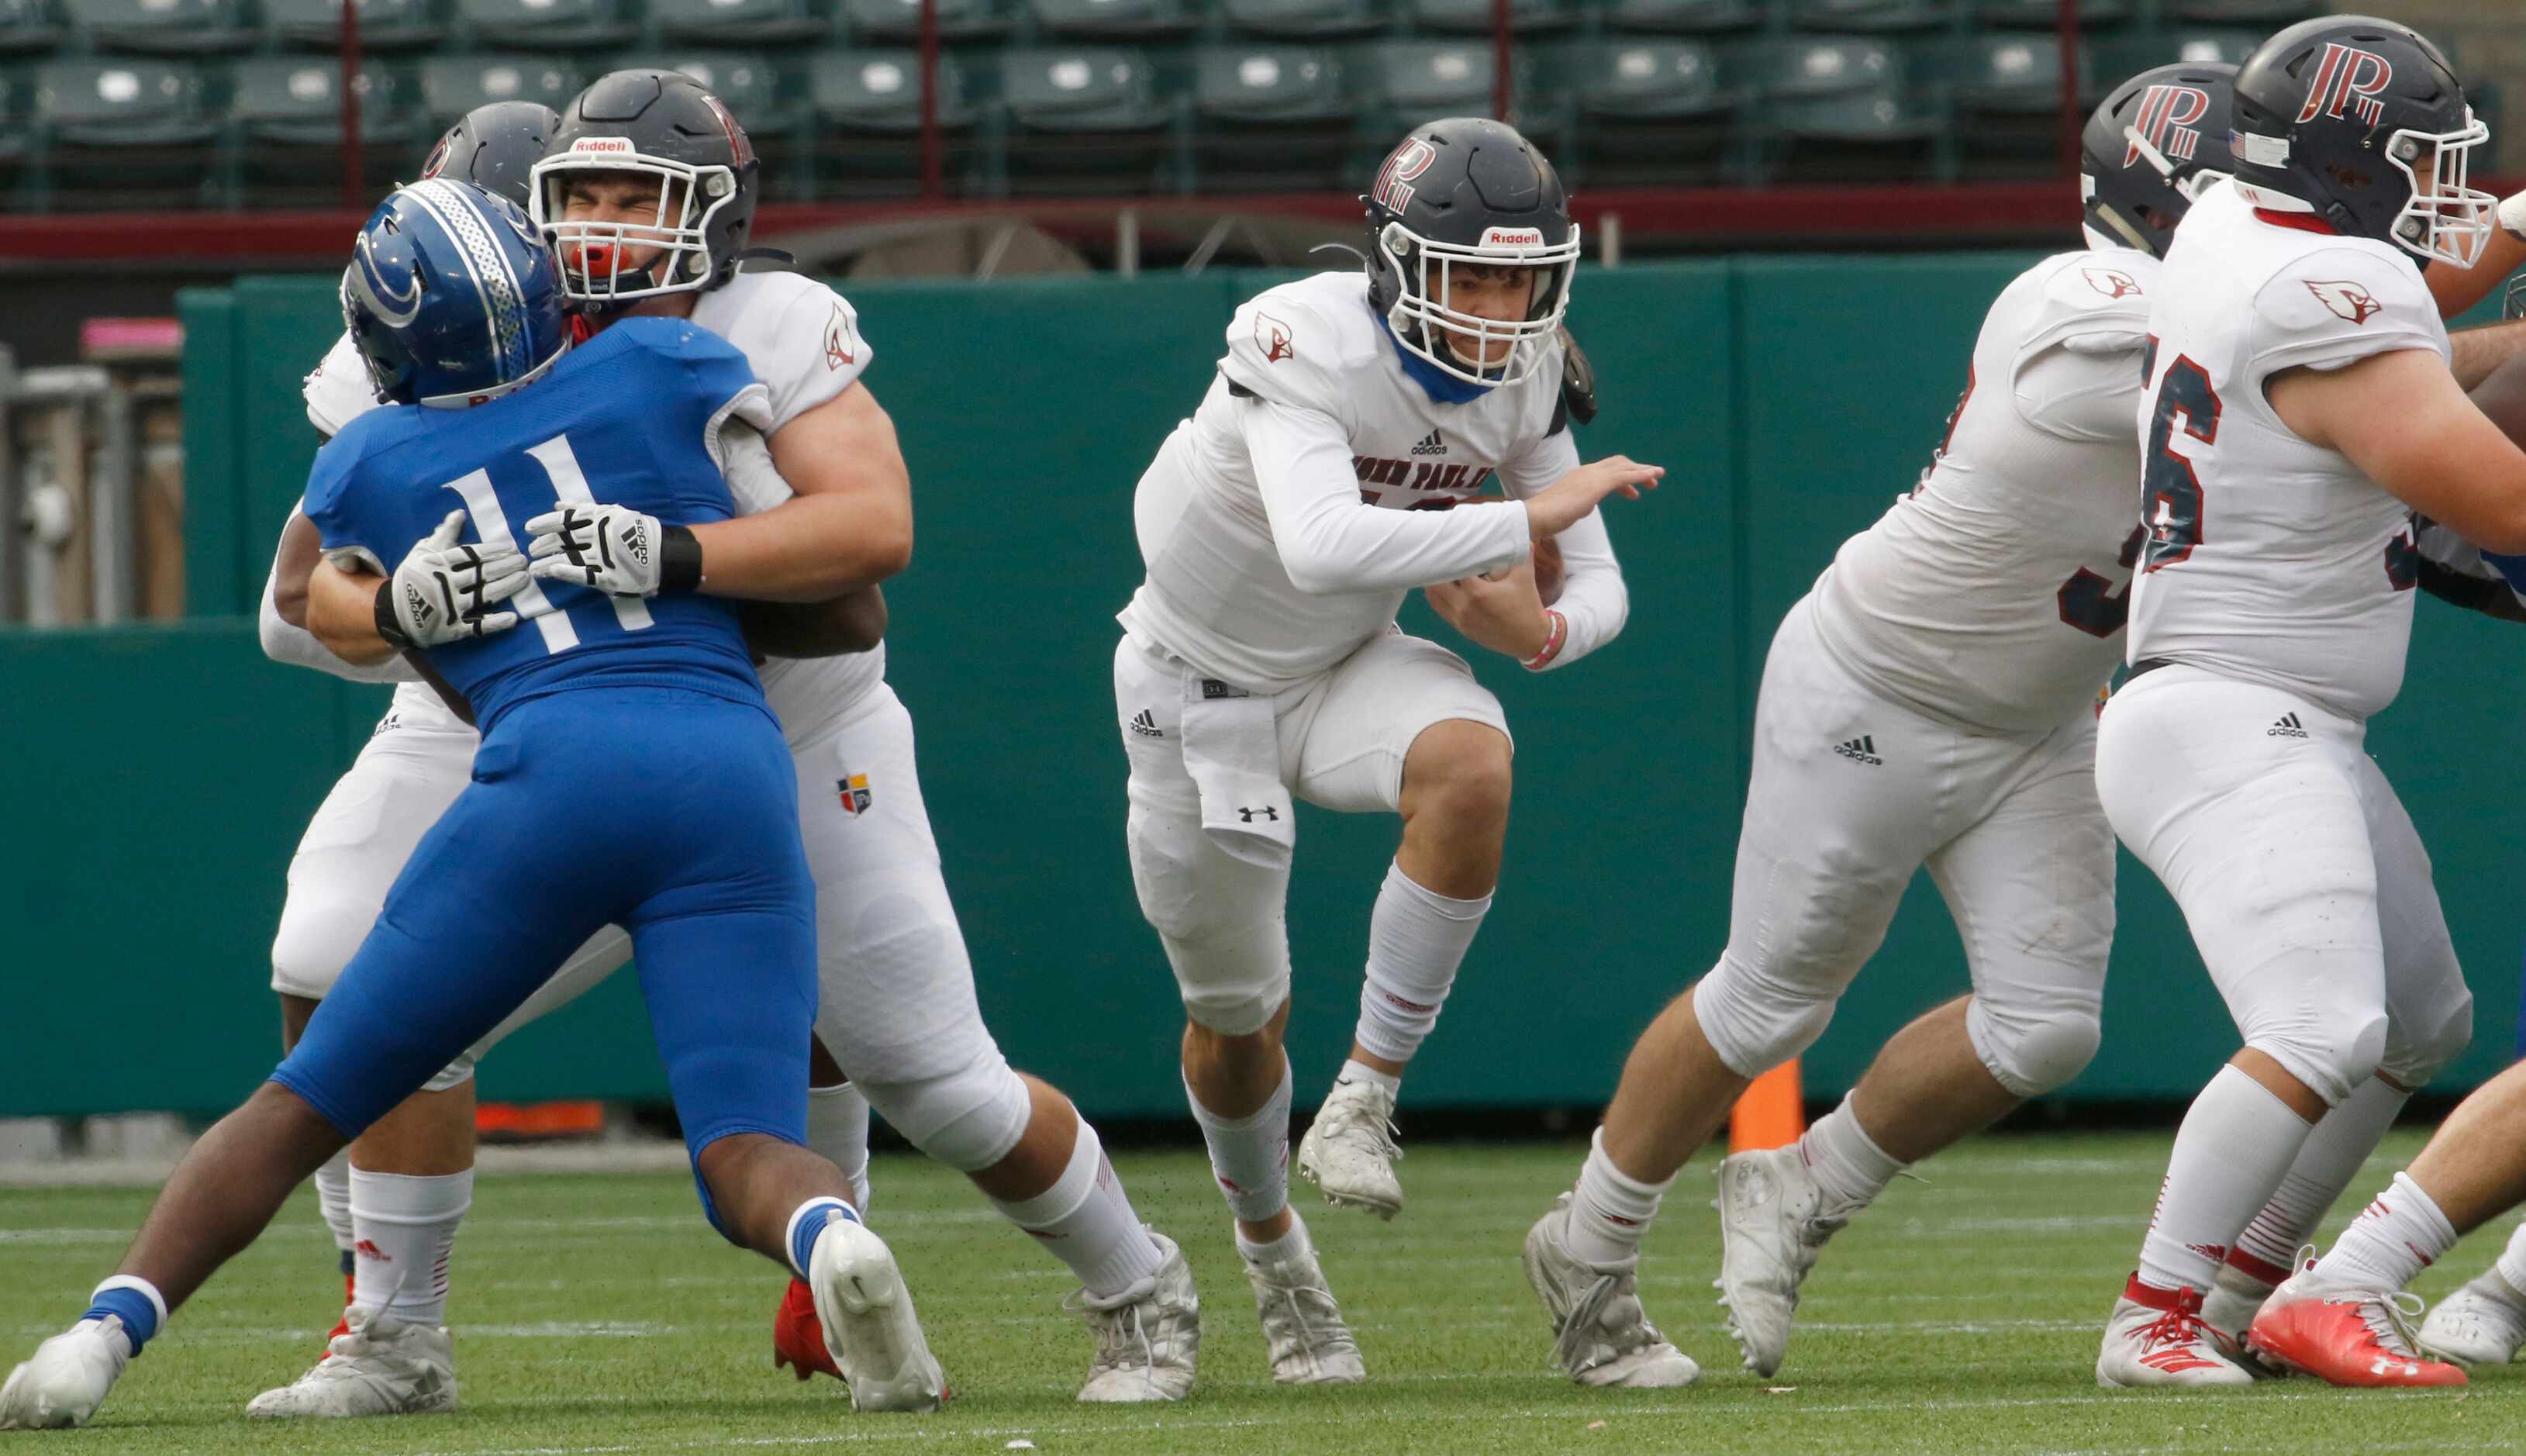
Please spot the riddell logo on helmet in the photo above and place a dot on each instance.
(2348, 75)
(2166, 119)
(611, 144)
(1513, 237)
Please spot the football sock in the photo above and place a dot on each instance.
(333, 1201)
(1289, 1245)
(807, 1224)
(2401, 1234)
(2236, 1145)
(2511, 1270)
(2342, 1140)
(1250, 1156)
(1848, 1166)
(1416, 940)
(1085, 1221)
(407, 1229)
(1610, 1209)
(135, 1301)
(1362, 1072)
(837, 1131)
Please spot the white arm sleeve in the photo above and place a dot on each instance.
(1595, 601)
(1330, 540)
(299, 647)
(2080, 393)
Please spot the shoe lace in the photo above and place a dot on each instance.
(2390, 1317)
(1369, 1116)
(1582, 1343)
(2179, 1325)
(1121, 1333)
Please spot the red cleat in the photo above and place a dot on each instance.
(342, 1326)
(798, 1336)
(2345, 1337)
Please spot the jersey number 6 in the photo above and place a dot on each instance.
(2170, 493)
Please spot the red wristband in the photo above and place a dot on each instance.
(1557, 634)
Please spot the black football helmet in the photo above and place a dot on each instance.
(2362, 122)
(1467, 191)
(494, 148)
(2159, 140)
(666, 123)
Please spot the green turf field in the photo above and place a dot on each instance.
(596, 1314)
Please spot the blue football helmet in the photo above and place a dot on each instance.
(452, 296)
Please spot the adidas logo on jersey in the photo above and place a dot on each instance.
(1146, 727)
(1431, 446)
(2287, 728)
(1862, 748)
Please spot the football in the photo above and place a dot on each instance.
(1548, 572)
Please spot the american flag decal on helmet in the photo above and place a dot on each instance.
(2166, 119)
(1393, 190)
(2347, 76)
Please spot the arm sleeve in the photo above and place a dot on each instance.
(1330, 540)
(2340, 306)
(2087, 390)
(298, 647)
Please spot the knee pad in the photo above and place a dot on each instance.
(2333, 1054)
(1222, 924)
(968, 1120)
(1756, 1020)
(2032, 1050)
(317, 939)
(2419, 1044)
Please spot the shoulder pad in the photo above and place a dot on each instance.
(2091, 303)
(2339, 305)
(1280, 348)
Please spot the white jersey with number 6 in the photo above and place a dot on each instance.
(2269, 559)
(1992, 595)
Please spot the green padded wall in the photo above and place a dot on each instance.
(1790, 398)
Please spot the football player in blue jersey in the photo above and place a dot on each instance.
(647, 705)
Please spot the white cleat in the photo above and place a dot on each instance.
(2154, 1344)
(1770, 1232)
(2482, 1324)
(67, 1378)
(1148, 1335)
(870, 1328)
(1350, 1150)
(382, 1367)
(1604, 1336)
(1302, 1327)
(2229, 1309)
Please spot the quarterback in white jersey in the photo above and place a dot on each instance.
(1332, 468)
(2302, 406)
(1930, 702)
(897, 1004)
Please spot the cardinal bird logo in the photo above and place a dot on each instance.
(2349, 300)
(2111, 284)
(1272, 336)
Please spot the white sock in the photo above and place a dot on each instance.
(1250, 1156)
(1085, 1221)
(1288, 1245)
(2401, 1234)
(2267, 1251)
(2511, 1267)
(1610, 1209)
(1416, 940)
(406, 1227)
(333, 1201)
(1353, 1069)
(1848, 1164)
(838, 1132)
(2236, 1145)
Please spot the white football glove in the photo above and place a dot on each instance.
(618, 550)
(441, 591)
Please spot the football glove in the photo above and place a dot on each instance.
(442, 590)
(614, 549)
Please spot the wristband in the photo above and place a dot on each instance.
(2513, 214)
(389, 626)
(680, 560)
(1557, 633)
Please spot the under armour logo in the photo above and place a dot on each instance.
(1247, 815)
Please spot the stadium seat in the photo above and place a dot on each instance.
(2269, 15)
(1873, 14)
(1270, 119)
(899, 22)
(1650, 113)
(867, 106)
(717, 22)
(1113, 20)
(1083, 119)
(1474, 17)
(1809, 67)
(385, 25)
(749, 84)
(1884, 134)
(2045, 14)
(452, 85)
(1307, 20)
(1425, 79)
(545, 25)
(2005, 89)
(2118, 58)
(166, 27)
(1686, 17)
(126, 134)
(27, 27)
(289, 129)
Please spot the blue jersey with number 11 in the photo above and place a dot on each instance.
(624, 419)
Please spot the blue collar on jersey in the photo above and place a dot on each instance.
(1442, 386)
